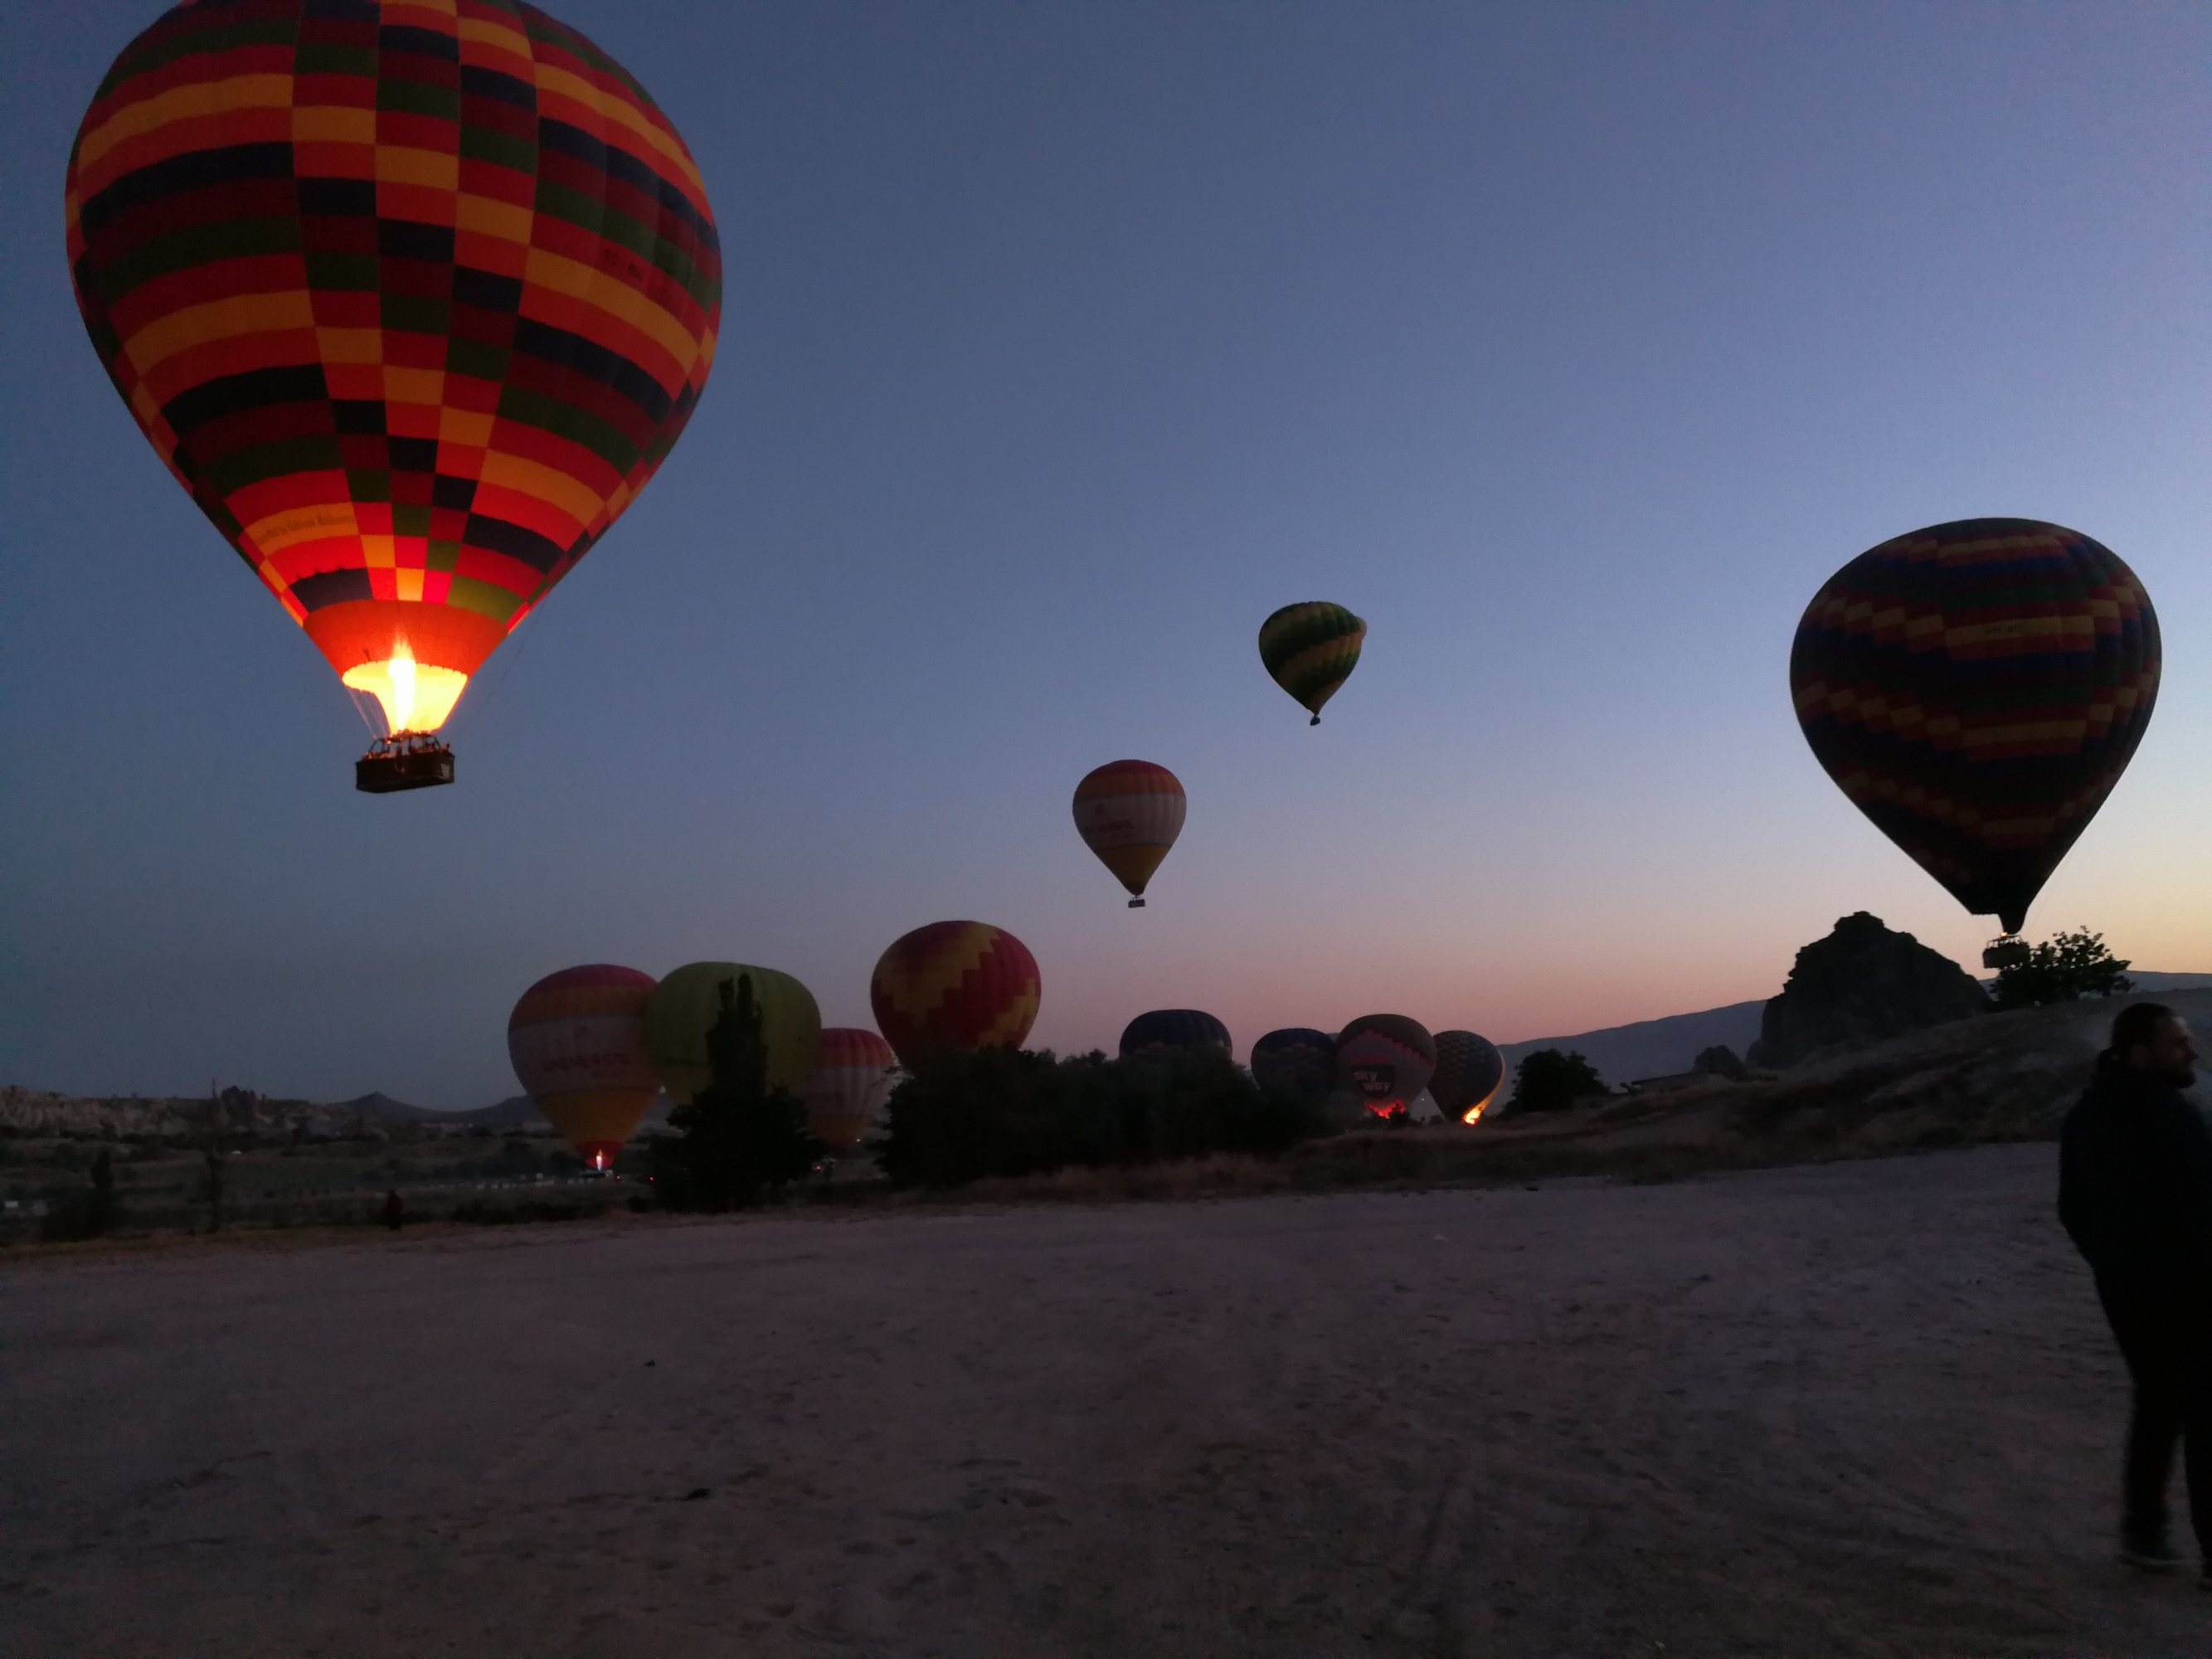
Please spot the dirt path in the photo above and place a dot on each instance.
(1863, 1409)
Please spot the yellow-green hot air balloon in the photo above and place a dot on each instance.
(685, 1006)
(1311, 649)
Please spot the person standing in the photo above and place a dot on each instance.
(2134, 1194)
(395, 1213)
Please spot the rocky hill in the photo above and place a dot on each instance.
(1656, 1048)
(1863, 983)
(2004, 1076)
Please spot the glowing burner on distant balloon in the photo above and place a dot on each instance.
(1469, 1073)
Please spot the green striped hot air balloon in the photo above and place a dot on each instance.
(1311, 649)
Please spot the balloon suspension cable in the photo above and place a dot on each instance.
(364, 702)
(506, 658)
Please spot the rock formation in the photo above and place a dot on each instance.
(1862, 984)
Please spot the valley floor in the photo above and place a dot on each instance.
(1863, 1408)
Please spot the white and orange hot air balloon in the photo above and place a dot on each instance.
(1129, 813)
(853, 1078)
(577, 1039)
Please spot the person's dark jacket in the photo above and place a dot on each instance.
(2135, 1182)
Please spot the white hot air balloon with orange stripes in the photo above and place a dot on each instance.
(853, 1076)
(1129, 813)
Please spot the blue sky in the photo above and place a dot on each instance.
(1573, 346)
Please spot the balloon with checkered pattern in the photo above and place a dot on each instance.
(413, 296)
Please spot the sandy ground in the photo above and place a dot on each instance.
(1862, 1409)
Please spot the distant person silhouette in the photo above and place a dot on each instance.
(394, 1211)
(2134, 1194)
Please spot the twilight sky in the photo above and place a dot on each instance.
(1573, 346)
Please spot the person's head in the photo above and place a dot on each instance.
(2149, 1037)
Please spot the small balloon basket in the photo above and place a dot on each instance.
(405, 760)
(2006, 953)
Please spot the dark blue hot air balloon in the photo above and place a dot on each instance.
(1174, 1028)
(1469, 1073)
(1297, 1060)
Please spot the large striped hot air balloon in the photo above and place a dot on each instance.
(852, 1078)
(1168, 1029)
(1129, 813)
(955, 986)
(1976, 689)
(577, 1039)
(1469, 1071)
(689, 1002)
(412, 296)
(1311, 649)
(1297, 1060)
(1386, 1060)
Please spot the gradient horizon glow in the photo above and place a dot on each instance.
(1573, 348)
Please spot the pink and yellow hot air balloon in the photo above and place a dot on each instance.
(1129, 813)
(577, 1039)
(853, 1078)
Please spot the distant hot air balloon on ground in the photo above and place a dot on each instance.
(413, 301)
(1129, 813)
(1311, 649)
(1469, 1072)
(955, 986)
(1297, 1061)
(1386, 1060)
(577, 1039)
(689, 1002)
(852, 1080)
(1168, 1029)
(1977, 688)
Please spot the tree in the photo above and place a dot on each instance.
(739, 1139)
(957, 1117)
(103, 1192)
(1719, 1061)
(212, 1155)
(961, 1117)
(1547, 1080)
(2065, 968)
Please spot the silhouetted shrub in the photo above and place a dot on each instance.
(1002, 1112)
(1547, 1080)
(2065, 968)
(70, 1219)
(1719, 1061)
